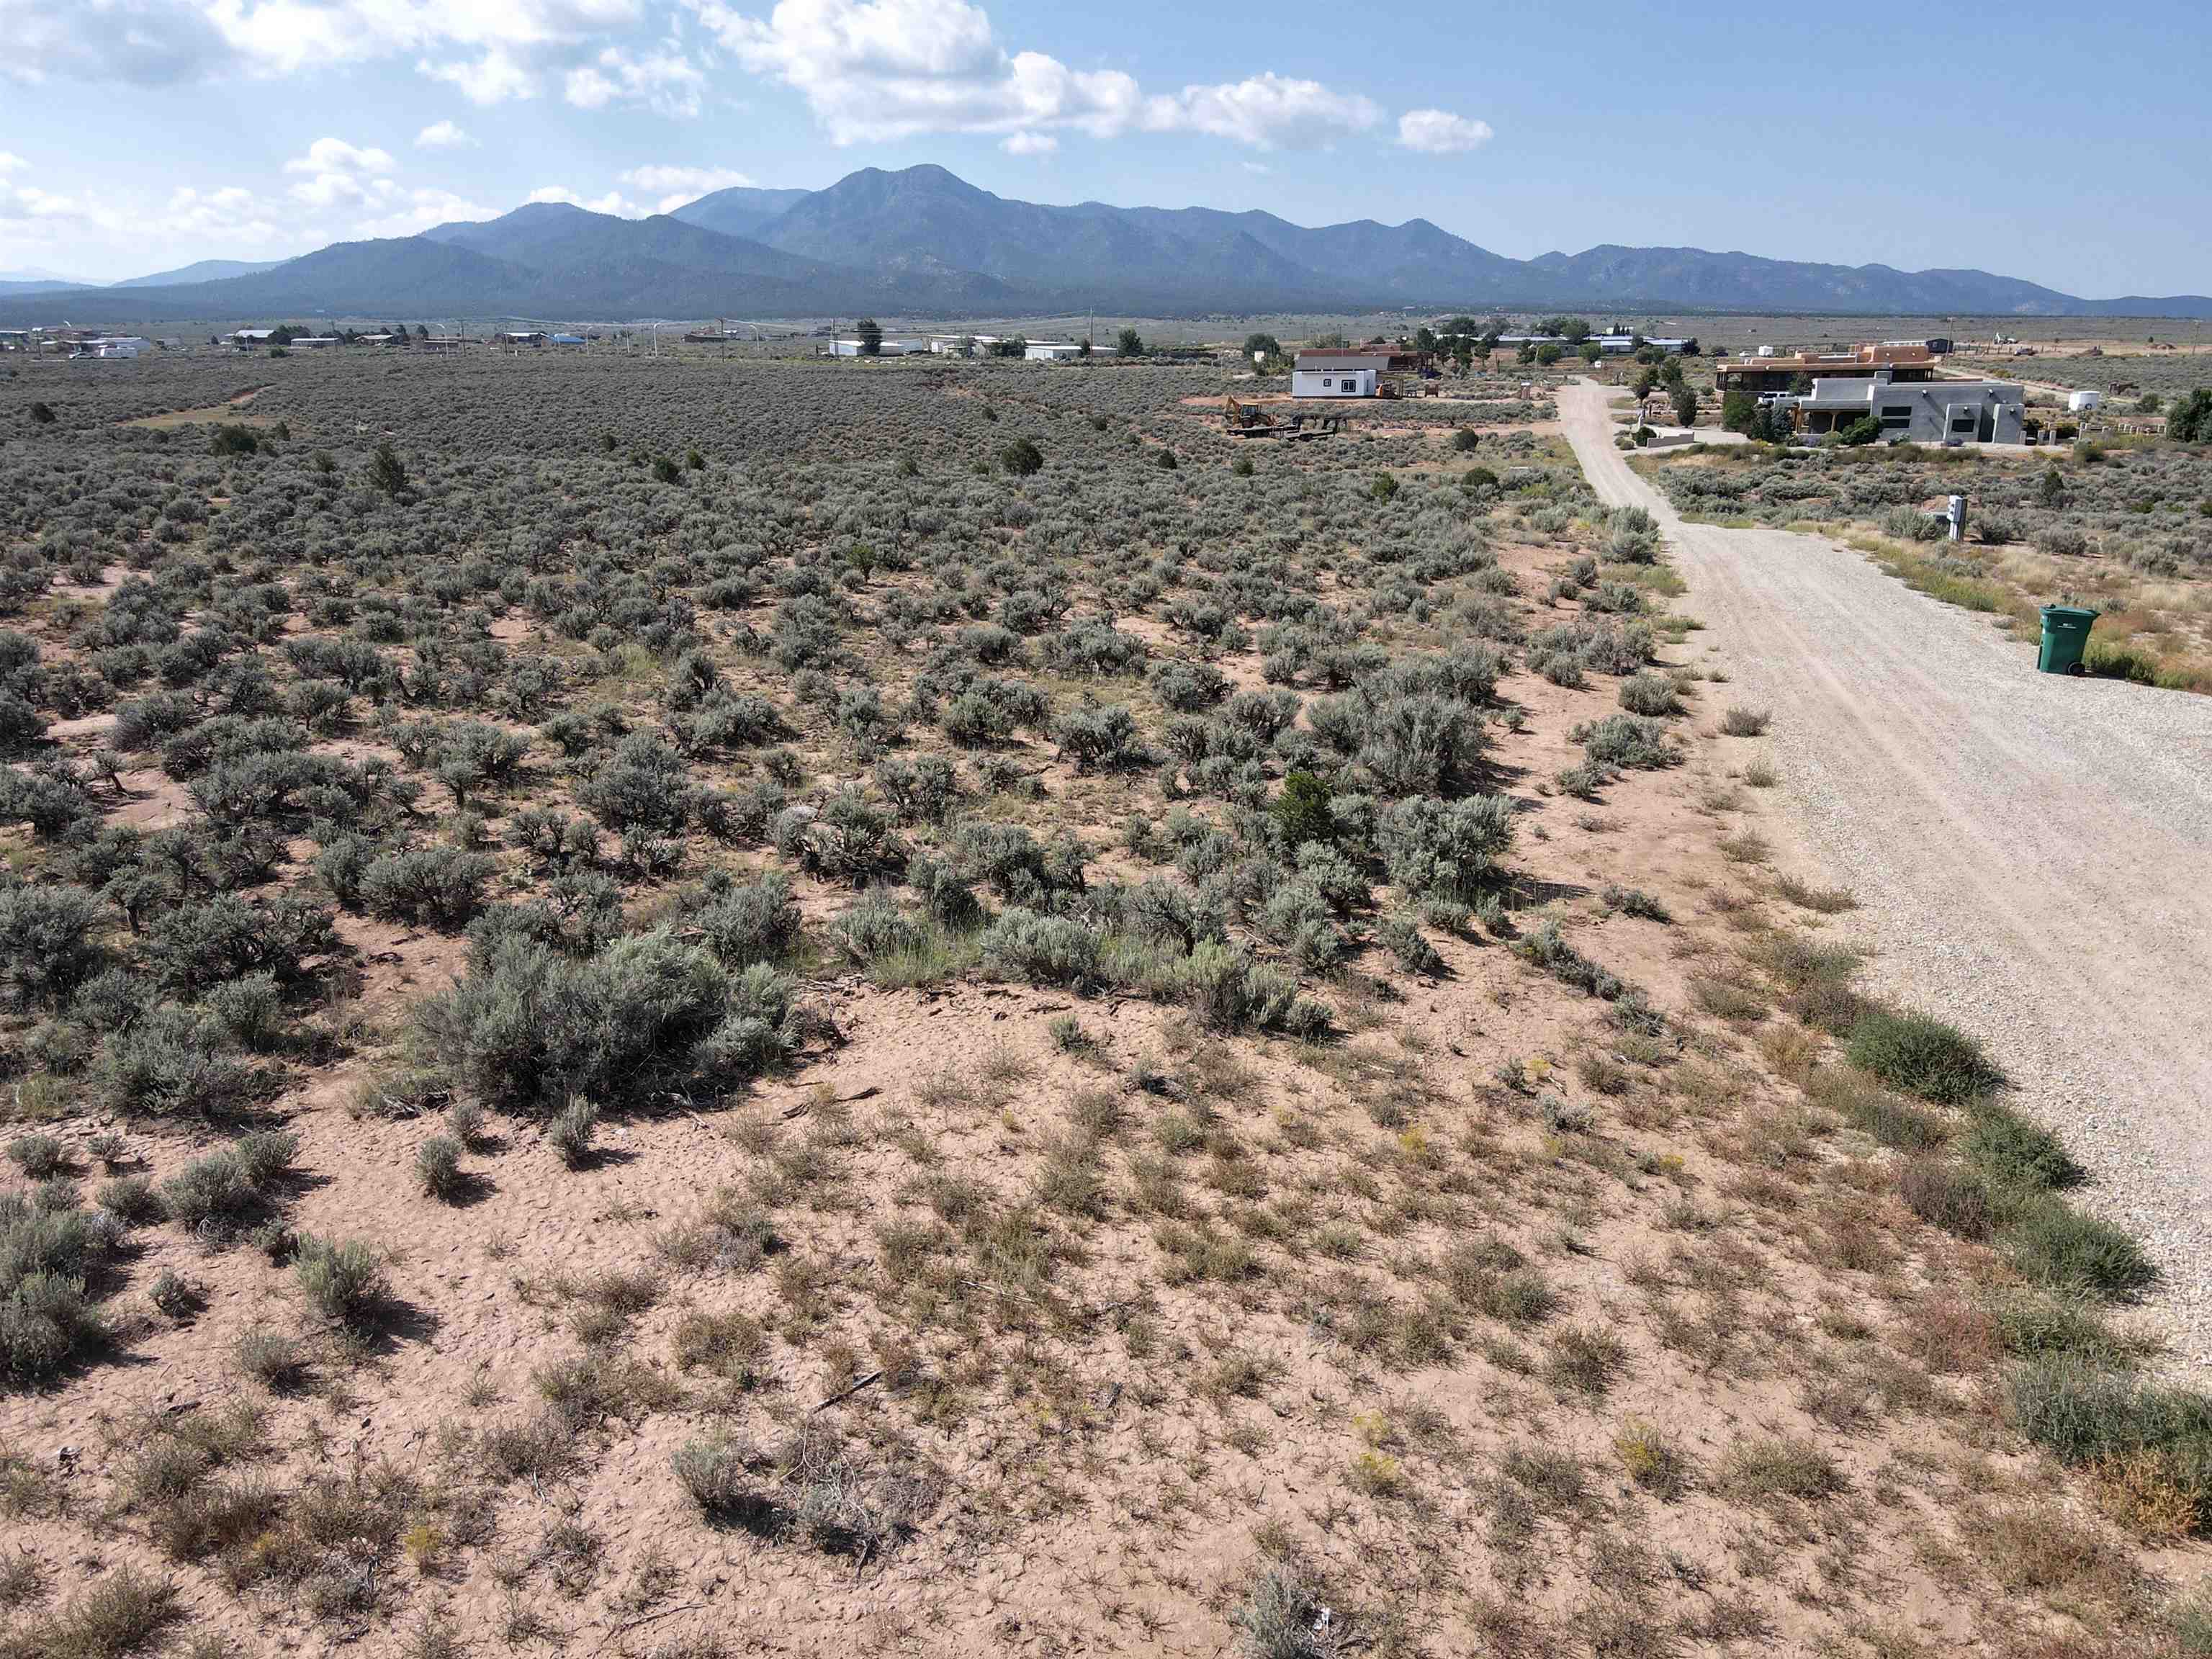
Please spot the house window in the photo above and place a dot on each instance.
(1328, 385)
(1897, 414)
(1962, 422)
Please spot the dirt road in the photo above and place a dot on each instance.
(2033, 854)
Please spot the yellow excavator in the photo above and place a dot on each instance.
(1246, 420)
(1250, 421)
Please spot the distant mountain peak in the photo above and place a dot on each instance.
(922, 241)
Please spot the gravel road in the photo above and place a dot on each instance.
(2032, 853)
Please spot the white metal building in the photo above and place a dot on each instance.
(1052, 351)
(889, 348)
(948, 345)
(2080, 402)
(1334, 382)
(246, 339)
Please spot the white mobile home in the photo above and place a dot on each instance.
(1334, 382)
(887, 349)
(1052, 351)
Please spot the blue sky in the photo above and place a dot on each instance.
(2061, 143)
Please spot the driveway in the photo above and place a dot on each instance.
(2033, 854)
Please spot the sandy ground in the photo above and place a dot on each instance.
(2033, 854)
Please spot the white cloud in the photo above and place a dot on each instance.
(441, 135)
(230, 213)
(666, 82)
(491, 79)
(698, 180)
(674, 185)
(1439, 132)
(1266, 111)
(876, 69)
(11, 163)
(613, 202)
(1026, 143)
(492, 50)
(334, 174)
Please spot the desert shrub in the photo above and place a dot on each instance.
(1944, 1195)
(1400, 934)
(2087, 1414)
(1625, 741)
(529, 1027)
(2007, 1149)
(1230, 991)
(48, 1251)
(49, 939)
(921, 789)
(438, 1168)
(745, 922)
(1445, 848)
(1649, 694)
(1922, 1056)
(171, 1063)
(1044, 949)
(715, 1475)
(1100, 737)
(2053, 1243)
(1742, 722)
(645, 784)
(571, 1130)
(125, 1613)
(1280, 1618)
(1188, 687)
(441, 885)
(343, 1281)
(849, 839)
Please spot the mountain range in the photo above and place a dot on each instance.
(922, 242)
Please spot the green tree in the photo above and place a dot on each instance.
(1591, 351)
(41, 414)
(1259, 346)
(1425, 338)
(1549, 353)
(1385, 485)
(2051, 491)
(1129, 344)
(1526, 355)
(2190, 420)
(1685, 405)
(871, 337)
(1861, 432)
(1577, 330)
(1646, 379)
(1738, 411)
(1021, 458)
(387, 472)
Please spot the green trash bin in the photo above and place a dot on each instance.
(2065, 637)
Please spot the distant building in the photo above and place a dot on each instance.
(109, 346)
(252, 340)
(1334, 383)
(1052, 351)
(2080, 402)
(1773, 371)
(567, 339)
(316, 341)
(522, 336)
(851, 347)
(948, 345)
(441, 343)
(1915, 411)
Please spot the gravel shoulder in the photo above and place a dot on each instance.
(2032, 854)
